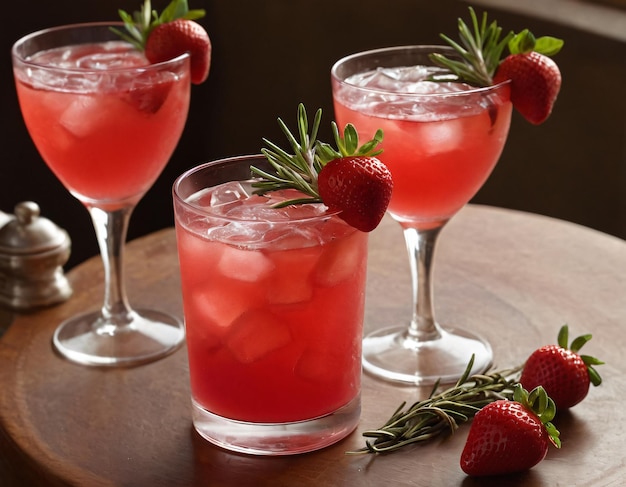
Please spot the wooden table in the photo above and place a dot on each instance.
(512, 276)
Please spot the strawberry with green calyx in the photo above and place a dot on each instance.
(349, 179)
(535, 79)
(508, 436)
(562, 372)
(172, 33)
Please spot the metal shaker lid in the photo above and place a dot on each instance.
(29, 233)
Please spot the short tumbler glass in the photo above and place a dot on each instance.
(273, 303)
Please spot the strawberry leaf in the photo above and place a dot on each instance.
(579, 342)
(522, 43)
(563, 337)
(576, 345)
(176, 9)
(350, 140)
(368, 149)
(525, 42)
(548, 46)
(591, 360)
(194, 14)
(542, 406)
(594, 377)
(553, 433)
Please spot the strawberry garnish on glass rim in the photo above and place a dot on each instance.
(172, 33)
(349, 180)
(535, 78)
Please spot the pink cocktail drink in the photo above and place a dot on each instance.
(106, 122)
(439, 154)
(107, 137)
(442, 138)
(273, 303)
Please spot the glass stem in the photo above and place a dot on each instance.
(420, 245)
(111, 229)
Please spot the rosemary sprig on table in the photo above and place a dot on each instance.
(442, 412)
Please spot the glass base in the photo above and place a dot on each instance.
(277, 438)
(390, 355)
(86, 340)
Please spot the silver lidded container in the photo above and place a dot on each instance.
(33, 251)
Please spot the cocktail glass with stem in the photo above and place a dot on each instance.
(441, 141)
(106, 123)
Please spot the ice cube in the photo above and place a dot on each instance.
(84, 116)
(245, 234)
(290, 290)
(221, 306)
(441, 137)
(228, 193)
(292, 237)
(340, 260)
(204, 334)
(244, 265)
(293, 283)
(256, 334)
(318, 366)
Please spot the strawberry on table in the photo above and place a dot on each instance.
(349, 179)
(508, 436)
(561, 371)
(535, 78)
(171, 34)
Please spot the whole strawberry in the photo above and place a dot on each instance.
(349, 179)
(535, 78)
(359, 187)
(508, 436)
(166, 41)
(563, 373)
(171, 34)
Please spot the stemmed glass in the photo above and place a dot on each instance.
(441, 142)
(106, 123)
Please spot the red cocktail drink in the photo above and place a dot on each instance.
(273, 301)
(442, 139)
(107, 137)
(440, 155)
(106, 122)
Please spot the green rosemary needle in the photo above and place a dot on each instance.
(442, 412)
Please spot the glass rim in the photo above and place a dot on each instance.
(176, 192)
(15, 55)
(408, 47)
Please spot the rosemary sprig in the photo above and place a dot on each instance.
(480, 50)
(442, 412)
(299, 170)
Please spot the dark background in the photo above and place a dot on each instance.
(268, 56)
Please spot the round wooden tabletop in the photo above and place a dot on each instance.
(514, 277)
